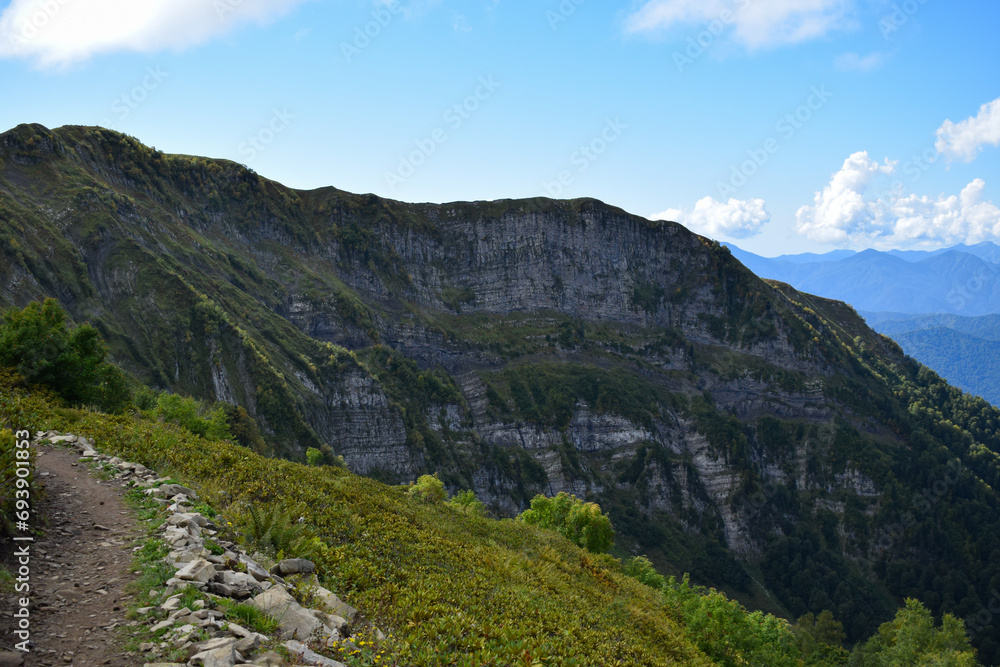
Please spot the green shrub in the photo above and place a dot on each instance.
(727, 632)
(38, 342)
(580, 521)
(314, 457)
(820, 640)
(273, 531)
(641, 569)
(912, 639)
(429, 489)
(210, 423)
(467, 502)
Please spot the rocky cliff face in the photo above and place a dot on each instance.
(514, 347)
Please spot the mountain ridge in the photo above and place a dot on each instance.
(732, 427)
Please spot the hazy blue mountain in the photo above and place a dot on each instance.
(962, 280)
(963, 350)
(986, 327)
(941, 306)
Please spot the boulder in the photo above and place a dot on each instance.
(291, 566)
(199, 570)
(238, 585)
(335, 605)
(308, 657)
(268, 659)
(212, 645)
(220, 657)
(255, 570)
(171, 490)
(293, 620)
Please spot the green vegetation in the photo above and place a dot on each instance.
(250, 617)
(913, 639)
(273, 530)
(39, 343)
(547, 392)
(211, 424)
(458, 588)
(429, 489)
(9, 477)
(314, 457)
(582, 523)
(466, 501)
(523, 593)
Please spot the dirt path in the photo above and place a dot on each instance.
(80, 567)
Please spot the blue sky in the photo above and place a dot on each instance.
(785, 125)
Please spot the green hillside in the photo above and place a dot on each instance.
(765, 441)
(453, 587)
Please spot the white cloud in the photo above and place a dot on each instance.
(755, 24)
(842, 214)
(852, 62)
(738, 219)
(60, 32)
(964, 140)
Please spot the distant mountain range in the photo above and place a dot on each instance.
(961, 280)
(941, 306)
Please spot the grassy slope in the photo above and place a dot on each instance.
(458, 589)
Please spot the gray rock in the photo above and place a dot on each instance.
(171, 603)
(255, 570)
(212, 645)
(291, 566)
(335, 605)
(11, 659)
(238, 585)
(171, 490)
(220, 657)
(247, 645)
(269, 659)
(224, 590)
(199, 570)
(308, 657)
(238, 631)
(293, 620)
